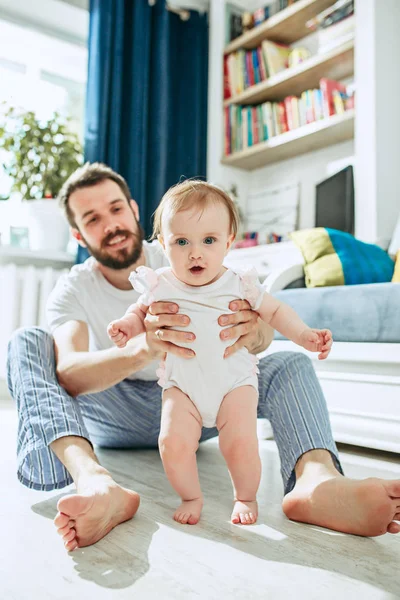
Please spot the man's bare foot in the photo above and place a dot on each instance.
(368, 507)
(99, 505)
(189, 511)
(245, 513)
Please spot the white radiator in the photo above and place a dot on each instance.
(23, 296)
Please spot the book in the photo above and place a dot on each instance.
(336, 35)
(338, 102)
(260, 15)
(333, 14)
(233, 22)
(227, 86)
(327, 87)
(276, 56)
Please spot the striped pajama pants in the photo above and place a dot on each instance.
(128, 414)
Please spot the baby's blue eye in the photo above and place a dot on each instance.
(181, 242)
(209, 240)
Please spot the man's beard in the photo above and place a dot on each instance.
(125, 257)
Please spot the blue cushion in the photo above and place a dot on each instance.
(361, 262)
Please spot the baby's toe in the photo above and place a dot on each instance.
(235, 518)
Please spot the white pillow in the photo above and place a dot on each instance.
(395, 242)
(266, 258)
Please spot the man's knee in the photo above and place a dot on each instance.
(31, 344)
(297, 361)
(291, 362)
(27, 337)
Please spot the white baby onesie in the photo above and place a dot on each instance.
(208, 377)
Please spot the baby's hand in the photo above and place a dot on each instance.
(120, 331)
(317, 340)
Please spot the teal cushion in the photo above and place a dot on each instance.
(361, 262)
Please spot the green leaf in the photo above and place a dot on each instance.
(41, 154)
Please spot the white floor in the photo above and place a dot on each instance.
(153, 557)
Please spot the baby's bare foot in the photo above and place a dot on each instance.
(189, 511)
(244, 512)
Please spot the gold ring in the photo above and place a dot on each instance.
(158, 334)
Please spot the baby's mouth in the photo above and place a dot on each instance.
(196, 270)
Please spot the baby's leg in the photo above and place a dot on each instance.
(179, 439)
(237, 425)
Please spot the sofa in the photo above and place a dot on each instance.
(361, 377)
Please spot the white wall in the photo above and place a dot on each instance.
(378, 118)
(216, 172)
(308, 170)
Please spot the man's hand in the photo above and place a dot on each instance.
(160, 320)
(244, 325)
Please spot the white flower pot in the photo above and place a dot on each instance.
(48, 228)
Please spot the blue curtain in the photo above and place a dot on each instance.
(146, 112)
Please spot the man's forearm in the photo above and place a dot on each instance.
(264, 338)
(90, 372)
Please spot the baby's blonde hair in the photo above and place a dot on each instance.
(194, 193)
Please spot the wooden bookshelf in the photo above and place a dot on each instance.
(335, 64)
(308, 138)
(286, 26)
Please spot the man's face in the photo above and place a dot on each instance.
(107, 224)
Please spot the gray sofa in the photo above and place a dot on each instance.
(356, 313)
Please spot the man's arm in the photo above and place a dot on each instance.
(82, 372)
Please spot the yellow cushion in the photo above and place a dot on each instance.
(396, 274)
(313, 243)
(322, 264)
(325, 271)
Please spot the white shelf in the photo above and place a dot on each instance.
(287, 26)
(336, 64)
(10, 252)
(308, 138)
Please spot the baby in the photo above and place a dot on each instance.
(196, 224)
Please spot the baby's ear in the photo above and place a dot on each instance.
(230, 241)
(161, 240)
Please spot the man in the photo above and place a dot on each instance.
(73, 388)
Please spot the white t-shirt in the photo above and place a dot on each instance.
(85, 295)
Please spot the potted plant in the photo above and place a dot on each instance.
(40, 157)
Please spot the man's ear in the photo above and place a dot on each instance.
(135, 209)
(161, 240)
(77, 235)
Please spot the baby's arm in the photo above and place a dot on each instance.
(129, 326)
(285, 320)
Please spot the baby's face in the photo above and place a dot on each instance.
(196, 242)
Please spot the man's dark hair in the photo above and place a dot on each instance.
(86, 176)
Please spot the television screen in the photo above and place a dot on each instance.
(335, 201)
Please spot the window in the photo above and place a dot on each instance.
(49, 77)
